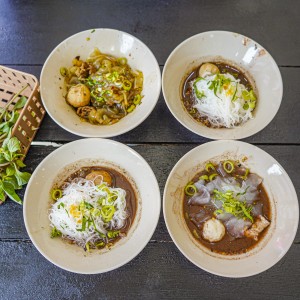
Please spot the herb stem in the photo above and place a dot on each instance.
(11, 101)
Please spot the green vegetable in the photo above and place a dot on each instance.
(203, 177)
(228, 166)
(63, 71)
(190, 189)
(126, 85)
(100, 244)
(199, 94)
(11, 178)
(210, 166)
(195, 233)
(212, 176)
(113, 234)
(137, 99)
(107, 212)
(131, 108)
(56, 194)
(122, 60)
(55, 232)
(233, 206)
(218, 83)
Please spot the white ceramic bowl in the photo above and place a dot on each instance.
(110, 41)
(244, 53)
(61, 162)
(284, 207)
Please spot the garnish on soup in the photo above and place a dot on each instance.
(93, 208)
(103, 89)
(226, 207)
(219, 95)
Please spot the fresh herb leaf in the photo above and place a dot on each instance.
(10, 192)
(20, 103)
(55, 232)
(13, 145)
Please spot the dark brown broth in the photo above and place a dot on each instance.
(118, 181)
(228, 245)
(187, 93)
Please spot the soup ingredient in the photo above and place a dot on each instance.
(260, 224)
(78, 95)
(219, 96)
(94, 207)
(226, 207)
(213, 230)
(89, 213)
(99, 176)
(208, 69)
(11, 178)
(103, 89)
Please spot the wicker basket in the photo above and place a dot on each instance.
(31, 116)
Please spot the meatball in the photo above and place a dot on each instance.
(213, 230)
(99, 176)
(208, 69)
(79, 95)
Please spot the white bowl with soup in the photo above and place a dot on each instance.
(100, 83)
(91, 206)
(222, 85)
(231, 208)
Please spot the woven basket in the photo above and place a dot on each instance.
(31, 116)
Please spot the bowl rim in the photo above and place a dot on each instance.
(191, 259)
(125, 129)
(199, 132)
(138, 249)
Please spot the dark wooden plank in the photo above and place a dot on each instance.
(161, 126)
(49, 23)
(161, 159)
(160, 271)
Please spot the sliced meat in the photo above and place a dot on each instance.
(200, 198)
(258, 226)
(236, 227)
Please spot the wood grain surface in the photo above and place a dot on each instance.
(29, 32)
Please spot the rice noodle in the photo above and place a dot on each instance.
(66, 216)
(219, 107)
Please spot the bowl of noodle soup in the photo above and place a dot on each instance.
(95, 224)
(238, 96)
(100, 83)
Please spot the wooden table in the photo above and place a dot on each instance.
(31, 29)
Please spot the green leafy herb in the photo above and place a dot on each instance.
(55, 232)
(233, 206)
(11, 178)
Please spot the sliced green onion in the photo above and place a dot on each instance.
(55, 232)
(190, 189)
(113, 234)
(126, 85)
(100, 244)
(195, 233)
(137, 99)
(218, 212)
(246, 106)
(212, 176)
(122, 60)
(210, 166)
(63, 71)
(87, 246)
(228, 166)
(252, 104)
(56, 194)
(131, 108)
(107, 212)
(203, 177)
